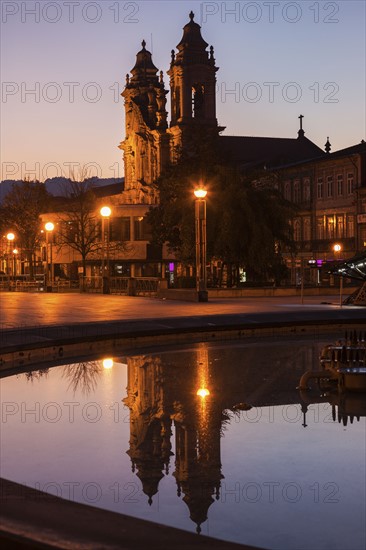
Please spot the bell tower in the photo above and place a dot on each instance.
(192, 84)
(146, 145)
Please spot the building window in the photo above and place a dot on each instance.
(330, 227)
(297, 230)
(287, 191)
(340, 185)
(307, 230)
(340, 227)
(297, 191)
(320, 228)
(330, 186)
(320, 188)
(306, 189)
(142, 229)
(350, 226)
(125, 229)
(349, 184)
(120, 229)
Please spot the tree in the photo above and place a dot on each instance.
(79, 221)
(248, 221)
(252, 225)
(172, 220)
(78, 226)
(20, 212)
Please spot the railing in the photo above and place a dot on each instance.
(118, 285)
(91, 284)
(146, 286)
(36, 285)
(129, 286)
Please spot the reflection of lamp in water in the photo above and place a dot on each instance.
(203, 392)
(107, 363)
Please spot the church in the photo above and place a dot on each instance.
(329, 189)
(150, 143)
(323, 185)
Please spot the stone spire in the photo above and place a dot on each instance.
(144, 71)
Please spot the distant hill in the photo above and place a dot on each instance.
(56, 186)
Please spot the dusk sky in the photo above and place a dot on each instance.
(63, 66)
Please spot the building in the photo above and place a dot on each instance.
(328, 188)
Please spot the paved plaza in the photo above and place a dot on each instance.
(27, 319)
(34, 309)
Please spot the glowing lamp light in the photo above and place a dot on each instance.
(49, 226)
(105, 211)
(10, 236)
(337, 248)
(15, 251)
(107, 363)
(200, 193)
(203, 392)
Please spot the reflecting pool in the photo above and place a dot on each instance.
(209, 438)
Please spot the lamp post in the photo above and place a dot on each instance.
(10, 237)
(49, 227)
(15, 253)
(200, 223)
(105, 212)
(337, 251)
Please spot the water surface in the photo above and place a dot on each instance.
(250, 462)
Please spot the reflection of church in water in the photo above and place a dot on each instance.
(158, 396)
(197, 393)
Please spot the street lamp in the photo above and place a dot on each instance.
(49, 227)
(105, 212)
(10, 237)
(200, 223)
(337, 251)
(15, 253)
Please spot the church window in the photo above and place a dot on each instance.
(320, 188)
(330, 186)
(287, 192)
(350, 184)
(340, 185)
(330, 227)
(306, 189)
(307, 232)
(297, 230)
(320, 228)
(340, 226)
(350, 226)
(297, 191)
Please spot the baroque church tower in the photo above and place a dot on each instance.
(149, 145)
(146, 145)
(193, 85)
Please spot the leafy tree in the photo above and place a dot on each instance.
(20, 213)
(252, 225)
(248, 221)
